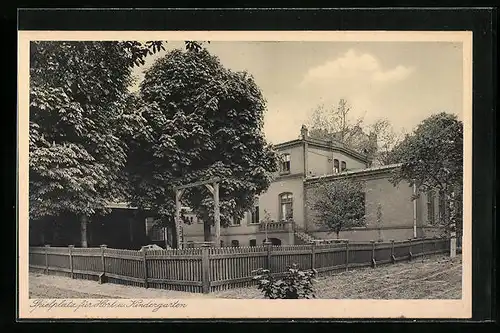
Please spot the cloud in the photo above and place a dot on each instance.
(397, 74)
(356, 67)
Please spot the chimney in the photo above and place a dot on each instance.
(304, 132)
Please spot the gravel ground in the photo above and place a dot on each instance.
(436, 277)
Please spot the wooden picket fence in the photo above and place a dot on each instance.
(209, 269)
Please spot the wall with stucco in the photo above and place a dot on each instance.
(269, 201)
(296, 158)
(396, 207)
(320, 161)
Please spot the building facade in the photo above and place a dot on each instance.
(281, 214)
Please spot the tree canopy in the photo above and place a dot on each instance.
(432, 158)
(80, 121)
(335, 122)
(339, 204)
(202, 120)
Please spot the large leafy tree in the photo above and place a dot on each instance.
(338, 205)
(432, 158)
(81, 120)
(203, 120)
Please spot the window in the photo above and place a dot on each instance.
(221, 243)
(286, 208)
(236, 220)
(335, 165)
(285, 163)
(430, 206)
(343, 166)
(235, 243)
(442, 206)
(253, 242)
(255, 215)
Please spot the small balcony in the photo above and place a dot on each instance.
(276, 226)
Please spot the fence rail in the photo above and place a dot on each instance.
(209, 269)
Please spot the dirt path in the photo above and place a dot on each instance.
(435, 277)
(50, 286)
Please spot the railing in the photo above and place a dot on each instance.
(275, 226)
(211, 269)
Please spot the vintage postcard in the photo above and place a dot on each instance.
(225, 174)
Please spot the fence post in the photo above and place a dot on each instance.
(103, 264)
(374, 264)
(46, 259)
(145, 267)
(268, 262)
(313, 255)
(70, 248)
(393, 257)
(409, 251)
(347, 255)
(453, 241)
(205, 272)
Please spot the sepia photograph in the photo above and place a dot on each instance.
(212, 167)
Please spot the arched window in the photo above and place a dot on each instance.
(343, 166)
(254, 215)
(235, 243)
(236, 221)
(336, 166)
(286, 206)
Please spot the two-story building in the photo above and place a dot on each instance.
(281, 214)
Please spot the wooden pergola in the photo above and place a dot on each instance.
(213, 186)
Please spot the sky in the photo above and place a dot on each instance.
(403, 82)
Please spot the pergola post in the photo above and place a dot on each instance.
(216, 214)
(178, 196)
(213, 186)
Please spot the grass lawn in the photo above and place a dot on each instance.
(437, 277)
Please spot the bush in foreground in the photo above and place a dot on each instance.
(295, 283)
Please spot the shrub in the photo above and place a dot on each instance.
(294, 284)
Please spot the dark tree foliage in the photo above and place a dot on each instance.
(202, 120)
(82, 118)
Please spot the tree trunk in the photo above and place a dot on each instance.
(338, 233)
(83, 231)
(207, 235)
(173, 236)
